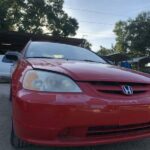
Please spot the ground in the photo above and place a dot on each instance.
(5, 126)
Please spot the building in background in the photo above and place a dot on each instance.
(16, 41)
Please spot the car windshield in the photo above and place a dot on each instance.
(61, 51)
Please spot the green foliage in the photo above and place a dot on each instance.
(36, 16)
(133, 36)
(104, 51)
(120, 31)
(87, 44)
(5, 21)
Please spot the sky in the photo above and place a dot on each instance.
(97, 18)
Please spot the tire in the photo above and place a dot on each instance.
(17, 142)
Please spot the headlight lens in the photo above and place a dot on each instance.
(49, 82)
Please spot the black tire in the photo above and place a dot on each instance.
(17, 142)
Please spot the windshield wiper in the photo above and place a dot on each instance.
(49, 58)
(87, 60)
(42, 57)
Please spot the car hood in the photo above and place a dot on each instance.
(90, 71)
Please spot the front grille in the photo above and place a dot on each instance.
(116, 87)
(120, 92)
(117, 130)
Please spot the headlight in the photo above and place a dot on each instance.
(49, 82)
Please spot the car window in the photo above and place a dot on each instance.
(5, 60)
(61, 51)
(1, 57)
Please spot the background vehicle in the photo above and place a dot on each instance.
(5, 68)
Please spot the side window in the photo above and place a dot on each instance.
(5, 60)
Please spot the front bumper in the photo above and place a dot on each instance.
(66, 119)
(42, 136)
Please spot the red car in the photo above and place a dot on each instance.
(64, 95)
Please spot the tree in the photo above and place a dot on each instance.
(37, 16)
(86, 44)
(133, 36)
(5, 21)
(104, 51)
(120, 31)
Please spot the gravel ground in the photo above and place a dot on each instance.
(5, 124)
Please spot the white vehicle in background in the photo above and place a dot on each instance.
(5, 68)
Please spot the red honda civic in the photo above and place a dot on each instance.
(64, 95)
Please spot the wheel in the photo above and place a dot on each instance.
(15, 141)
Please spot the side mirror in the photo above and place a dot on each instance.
(12, 56)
